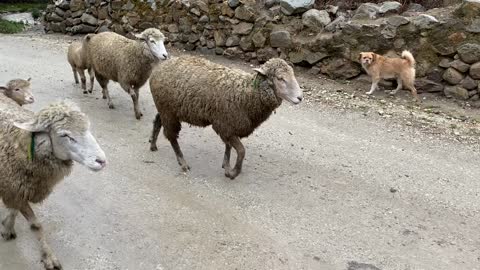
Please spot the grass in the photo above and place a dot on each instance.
(7, 27)
(22, 7)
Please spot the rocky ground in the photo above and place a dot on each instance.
(342, 181)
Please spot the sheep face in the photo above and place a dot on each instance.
(281, 75)
(154, 39)
(70, 137)
(19, 91)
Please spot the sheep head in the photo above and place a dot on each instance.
(65, 131)
(281, 76)
(19, 91)
(154, 39)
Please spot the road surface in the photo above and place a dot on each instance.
(321, 188)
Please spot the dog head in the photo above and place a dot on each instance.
(367, 58)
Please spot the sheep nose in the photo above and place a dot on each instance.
(102, 162)
(300, 98)
(165, 56)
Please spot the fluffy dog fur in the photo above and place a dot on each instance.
(380, 67)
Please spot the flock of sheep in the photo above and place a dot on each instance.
(38, 149)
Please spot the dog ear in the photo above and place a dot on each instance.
(360, 56)
(374, 57)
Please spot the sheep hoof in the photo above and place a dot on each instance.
(51, 263)
(153, 148)
(232, 173)
(104, 97)
(111, 106)
(7, 236)
(186, 168)
(90, 91)
(85, 91)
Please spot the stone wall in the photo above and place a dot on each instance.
(443, 41)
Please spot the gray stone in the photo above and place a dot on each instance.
(233, 3)
(444, 63)
(189, 46)
(76, 5)
(77, 21)
(337, 24)
(290, 7)
(270, 3)
(232, 41)
(59, 12)
(460, 66)
(425, 85)
(69, 22)
(414, 7)
(456, 92)
(195, 11)
(89, 19)
(193, 38)
(425, 21)
(77, 14)
(452, 76)
(246, 44)
(389, 31)
(472, 93)
(83, 29)
(232, 52)
(340, 68)
(204, 19)
(474, 26)
(219, 38)
(280, 39)
(219, 51)
(475, 71)
(469, 53)
(242, 28)
(390, 7)
(128, 6)
(266, 54)
(435, 74)
(245, 13)
(172, 28)
(469, 83)
(102, 13)
(53, 17)
(58, 27)
(316, 19)
(331, 9)
(397, 20)
(366, 11)
(259, 40)
(469, 9)
(210, 44)
(102, 29)
(306, 56)
(63, 4)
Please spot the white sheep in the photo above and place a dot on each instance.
(77, 59)
(19, 91)
(128, 62)
(36, 152)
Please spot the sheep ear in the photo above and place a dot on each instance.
(261, 71)
(3, 89)
(29, 79)
(139, 36)
(31, 126)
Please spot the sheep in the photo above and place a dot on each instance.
(77, 59)
(19, 91)
(36, 152)
(129, 62)
(196, 91)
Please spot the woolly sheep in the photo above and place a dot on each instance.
(128, 62)
(19, 91)
(36, 152)
(201, 93)
(77, 59)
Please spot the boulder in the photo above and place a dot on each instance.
(227, 11)
(59, 27)
(474, 26)
(452, 76)
(245, 13)
(204, 19)
(232, 41)
(425, 21)
(366, 11)
(219, 38)
(435, 74)
(53, 17)
(475, 71)
(83, 29)
(340, 68)
(290, 7)
(469, 83)
(316, 19)
(337, 24)
(390, 7)
(63, 4)
(469, 53)
(280, 39)
(306, 56)
(265, 54)
(259, 40)
(460, 66)
(469, 9)
(233, 3)
(242, 28)
(89, 19)
(397, 20)
(76, 5)
(60, 12)
(102, 13)
(246, 44)
(444, 63)
(456, 92)
(425, 85)
(414, 7)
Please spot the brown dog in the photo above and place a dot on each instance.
(380, 67)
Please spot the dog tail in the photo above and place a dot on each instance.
(409, 57)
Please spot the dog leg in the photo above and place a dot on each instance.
(373, 88)
(399, 86)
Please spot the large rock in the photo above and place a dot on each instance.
(242, 28)
(452, 76)
(53, 17)
(475, 71)
(469, 9)
(460, 66)
(103, 13)
(469, 53)
(246, 44)
(456, 92)
(245, 13)
(232, 41)
(474, 26)
(469, 83)
(280, 39)
(58, 27)
(425, 85)
(76, 5)
(60, 12)
(390, 7)
(340, 68)
(397, 20)
(337, 24)
(265, 54)
(366, 11)
(290, 7)
(316, 19)
(83, 29)
(259, 40)
(425, 21)
(63, 4)
(233, 3)
(219, 38)
(89, 19)
(306, 56)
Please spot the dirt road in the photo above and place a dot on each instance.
(322, 188)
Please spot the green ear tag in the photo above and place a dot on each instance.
(31, 147)
(256, 82)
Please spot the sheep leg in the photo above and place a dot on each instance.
(48, 258)
(8, 230)
(226, 157)
(237, 144)
(135, 96)
(106, 95)
(92, 78)
(171, 130)
(157, 125)
(84, 80)
(75, 74)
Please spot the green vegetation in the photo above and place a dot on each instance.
(7, 27)
(22, 7)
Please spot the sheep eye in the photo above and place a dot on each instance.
(152, 41)
(67, 136)
(18, 89)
